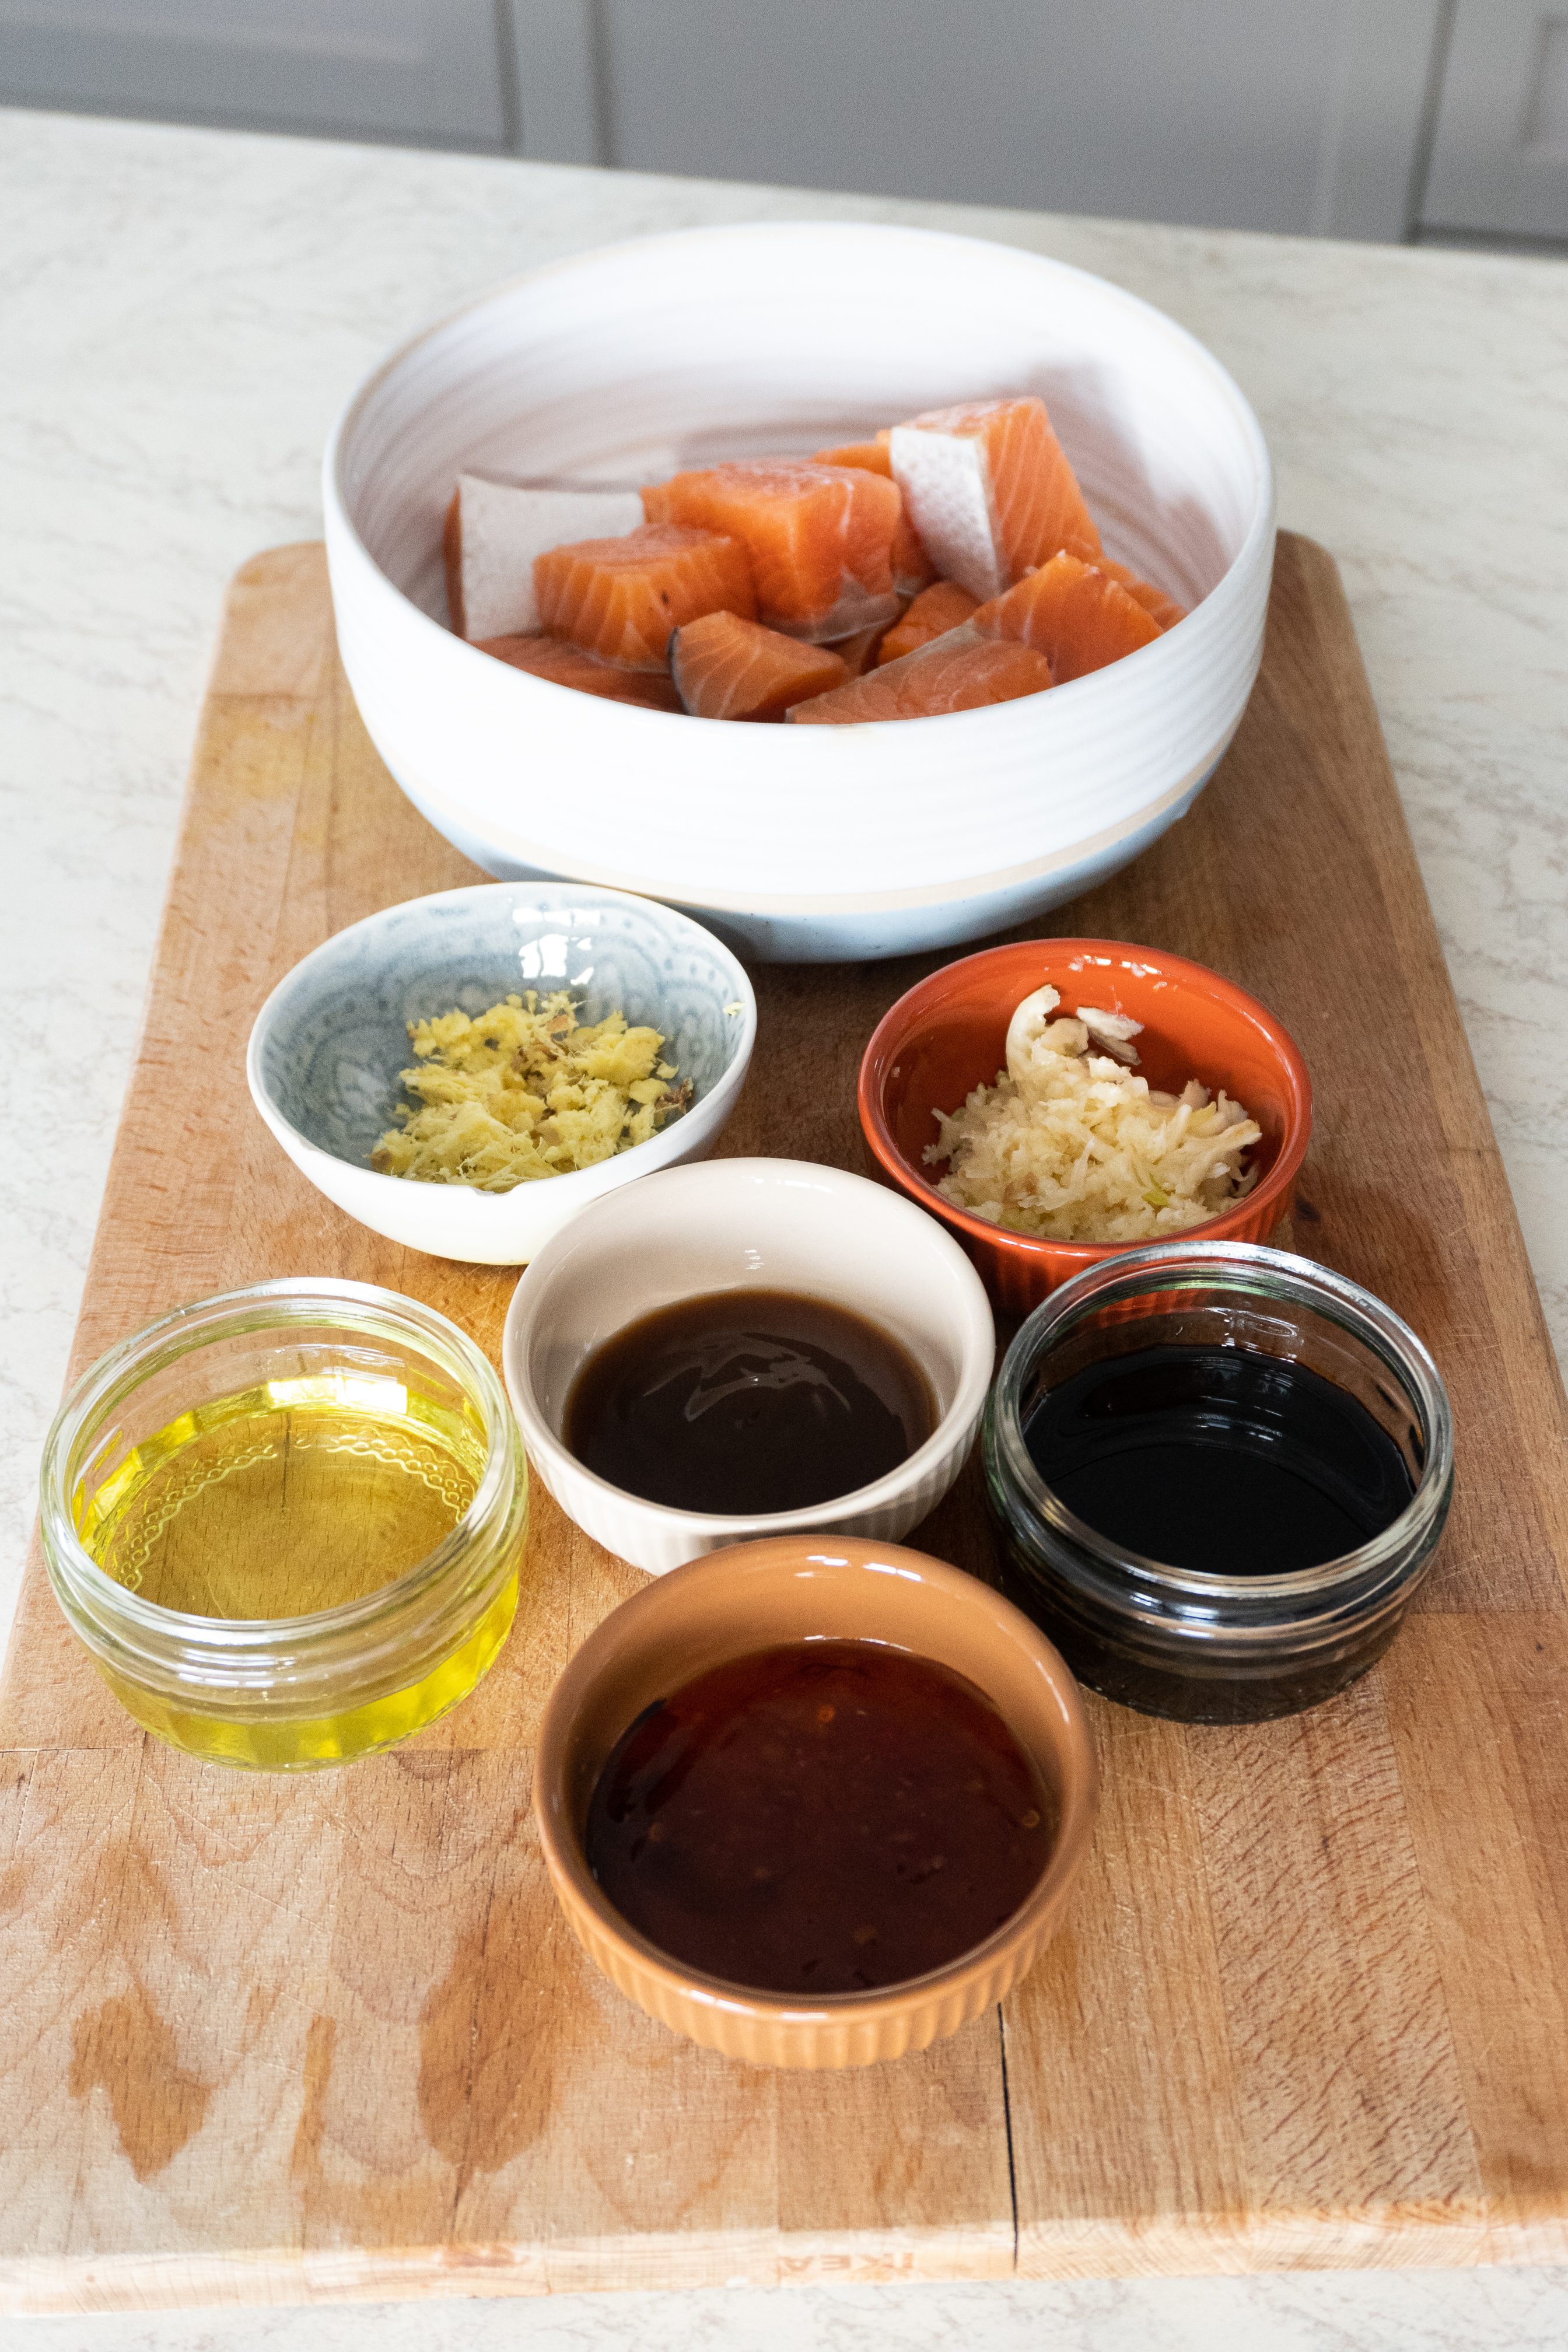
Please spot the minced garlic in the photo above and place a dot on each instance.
(523, 1092)
(1069, 1145)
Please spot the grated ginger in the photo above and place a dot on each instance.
(1072, 1147)
(523, 1092)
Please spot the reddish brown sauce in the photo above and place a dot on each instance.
(824, 1817)
(747, 1400)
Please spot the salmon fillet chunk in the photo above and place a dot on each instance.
(565, 665)
(959, 671)
(1163, 610)
(912, 567)
(728, 668)
(859, 653)
(622, 599)
(932, 613)
(989, 487)
(867, 457)
(1073, 614)
(820, 539)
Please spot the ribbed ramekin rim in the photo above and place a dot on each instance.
(595, 1919)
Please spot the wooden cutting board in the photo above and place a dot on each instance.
(268, 2039)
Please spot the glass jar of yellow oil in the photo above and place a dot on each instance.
(287, 1523)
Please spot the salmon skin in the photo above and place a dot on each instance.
(932, 613)
(989, 489)
(565, 665)
(1073, 614)
(729, 668)
(1163, 610)
(622, 599)
(959, 671)
(494, 531)
(820, 539)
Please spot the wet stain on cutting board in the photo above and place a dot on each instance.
(124, 2048)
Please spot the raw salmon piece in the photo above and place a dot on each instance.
(493, 533)
(728, 668)
(1163, 610)
(565, 665)
(1072, 613)
(959, 671)
(913, 567)
(989, 487)
(859, 653)
(867, 457)
(820, 539)
(622, 598)
(946, 606)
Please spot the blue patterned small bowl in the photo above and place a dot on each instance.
(330, 1040)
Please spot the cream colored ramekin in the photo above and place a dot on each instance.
(735, 1224)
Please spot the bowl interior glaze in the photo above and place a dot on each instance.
(336, 1036)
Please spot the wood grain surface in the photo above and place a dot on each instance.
(266, 2039)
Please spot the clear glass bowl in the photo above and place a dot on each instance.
(303, 1437)
(1209, 1648)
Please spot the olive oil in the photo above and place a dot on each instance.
(282, 1501)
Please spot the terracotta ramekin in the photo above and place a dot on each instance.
(751, 1597)
(948, 1035)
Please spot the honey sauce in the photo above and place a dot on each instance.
(822, 1817)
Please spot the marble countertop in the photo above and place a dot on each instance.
(182, 313)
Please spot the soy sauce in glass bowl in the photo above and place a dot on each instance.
(1219, 1473)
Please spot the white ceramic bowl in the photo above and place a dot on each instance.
(820, 843)
(330, 1040)
(737, 1224)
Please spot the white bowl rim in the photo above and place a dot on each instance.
(1259, 526)
(495, 1203)
(978, 1355)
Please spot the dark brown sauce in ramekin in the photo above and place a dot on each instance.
(823, 1817)
(748, 1401)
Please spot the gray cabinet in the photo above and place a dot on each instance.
(429, 69)
(1303, 115)
(1500, 148)
(554, 54)
(1269, 114)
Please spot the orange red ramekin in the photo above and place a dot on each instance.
(948, 1034)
